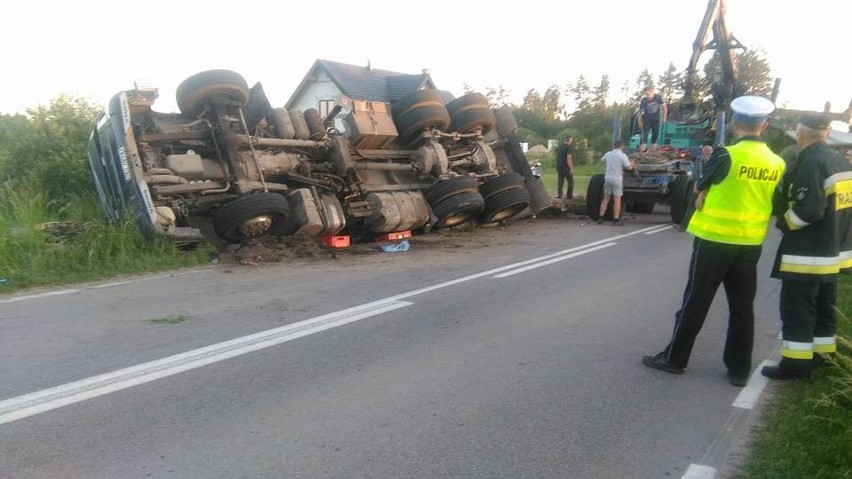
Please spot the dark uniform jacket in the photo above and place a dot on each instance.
(814, 211)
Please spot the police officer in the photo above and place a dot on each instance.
(814, 207)
(733, 210)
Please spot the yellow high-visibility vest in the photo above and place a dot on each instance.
(738, 209)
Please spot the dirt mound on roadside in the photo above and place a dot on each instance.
(277, 250)
(274, 250)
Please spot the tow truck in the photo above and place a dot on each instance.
(665, 176)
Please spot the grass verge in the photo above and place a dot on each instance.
(806, 428)
(85, 249)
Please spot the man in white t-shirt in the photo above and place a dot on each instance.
(616, 162)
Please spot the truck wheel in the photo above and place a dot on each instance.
(594, 195)
(211, 86)
(280, 120)
(300, 126)
(419, 111)
(498, 184)
(471, 112)
(505, 205)
(444, 189)
(412, 124)
(251, 216)
(315, 126)
(458, 209)
(679, 197)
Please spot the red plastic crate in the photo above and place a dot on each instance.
(336, 241)
(394, 236)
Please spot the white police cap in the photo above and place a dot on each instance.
(751, 109)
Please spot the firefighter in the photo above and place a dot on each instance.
(814, 208)
(733, 212)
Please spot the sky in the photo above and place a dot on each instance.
(94, 49)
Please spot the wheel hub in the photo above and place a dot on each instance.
(256, 226)
(457, 219)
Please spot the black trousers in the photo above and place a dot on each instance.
(561, 178)
(651, 125)
(807, 310)
(713, 264)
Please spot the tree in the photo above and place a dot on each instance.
(645, 79)
(601, 92)
(670, 82)
(753, 74)
(550, 101)
(582, 94)
(533, 101)
(497, 97)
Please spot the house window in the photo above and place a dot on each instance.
(325, 106)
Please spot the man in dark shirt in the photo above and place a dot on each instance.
(649, 117)
(565, 167)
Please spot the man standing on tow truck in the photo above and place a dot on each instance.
(733, 210)
(650, 107)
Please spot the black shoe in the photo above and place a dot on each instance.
(780, 372)
(657, 362)
(617, 223)
(599, 221)
(736, 380)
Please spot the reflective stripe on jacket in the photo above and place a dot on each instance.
(737, 210)
(817, 221)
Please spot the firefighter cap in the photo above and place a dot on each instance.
(817, 121)
(751, 108)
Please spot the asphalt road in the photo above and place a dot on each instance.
(507, 353)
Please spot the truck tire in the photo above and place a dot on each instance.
(444, 189)
(417, 100)
(211, 86)
(471, 112)
(679, 197)
(280, 119)
(472, 120)
(458, 209)
(300, 126)
(594, 195)
(419, 111)
(498, 184)
(415, 122)
(315, 126)
(252, 216)
(505, 205)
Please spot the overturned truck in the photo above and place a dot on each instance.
(233, 167)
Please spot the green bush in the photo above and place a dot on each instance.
(47, 148)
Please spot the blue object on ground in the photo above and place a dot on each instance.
(3, 280)
(396, 248)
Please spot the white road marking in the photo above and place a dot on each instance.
(39, 295)
(659, 229)
(697, 471)
(100, 286)
(66, 394)
(553, 260)
(748, 397)
(70, 393)
(110, 285)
